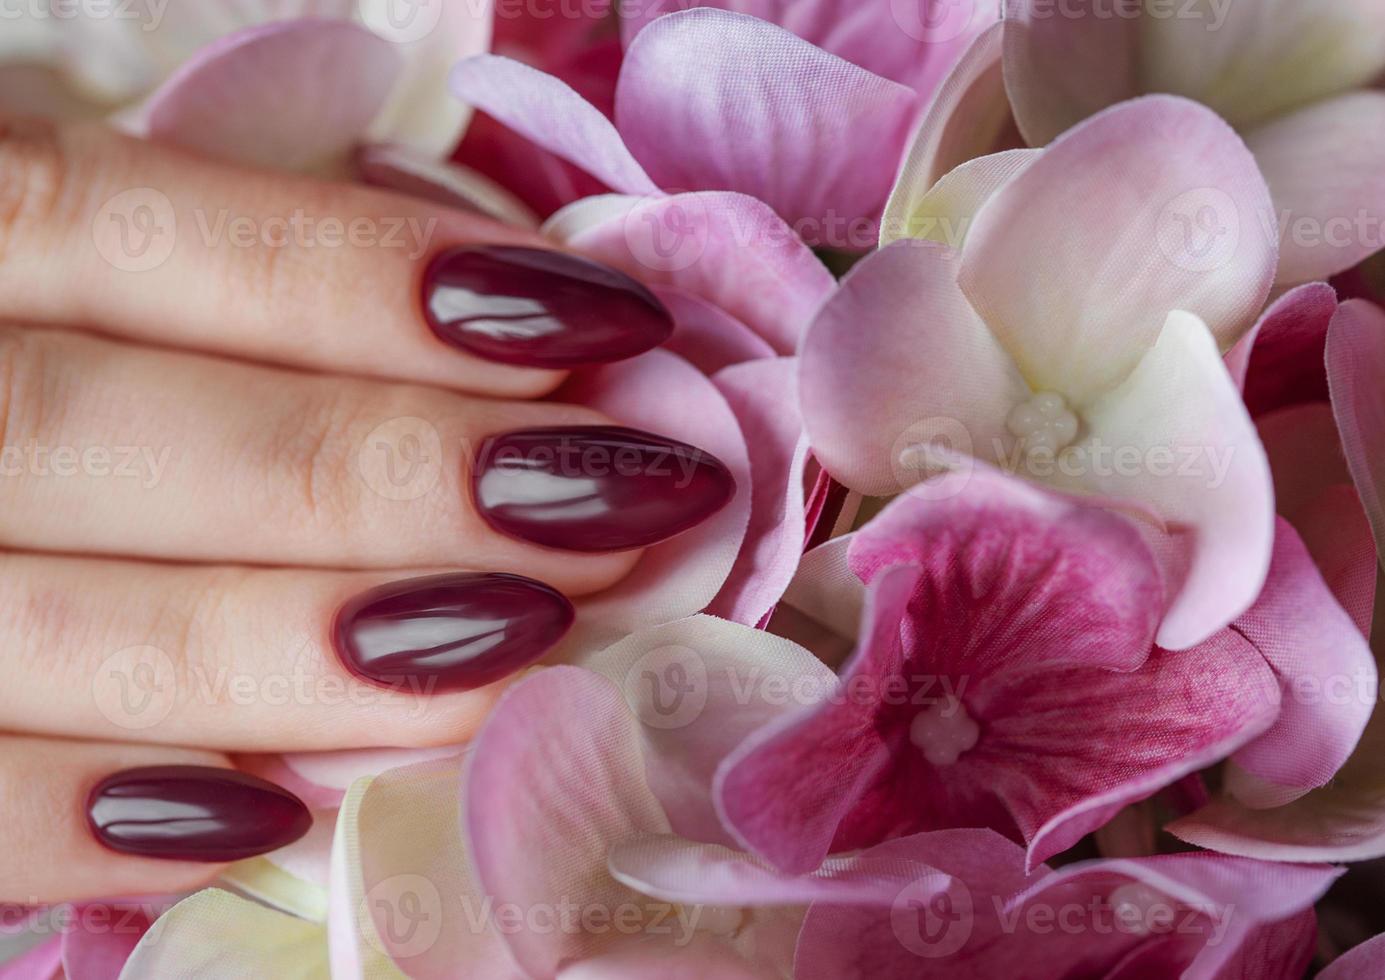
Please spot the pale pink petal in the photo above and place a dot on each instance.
(945, 212)
(1252, 62)
(660, 392)
(1175, 437)
(700, 958)
(216, 933)
(403, 169)
(1076, 263)
(338, 770)
(706, 336)
(1325, 670)
(897, 358)
(728, 249)
(421, 113)
(699, 687)
(100, 953)
(969, 117)
(412, 894)
(1314, 492)
(1355, 365)
(275, 769)
(1365, 962)
(711, 100)
(764, 396)
(1063, 64)
(1325, 166)
(827, 589)
(291, 95)
(553, 780)
(1280, 361)
(552, 115)
(913, 44)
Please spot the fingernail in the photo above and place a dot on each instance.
(596, 488)
(194, 813)
(538, 308)
(449, 632)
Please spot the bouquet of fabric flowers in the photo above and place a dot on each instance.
(1018, 619)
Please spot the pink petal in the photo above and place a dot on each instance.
(1314, 492)
(40, 962)
(1191, 455)
(100, 953)
(711, 100)
(1280, 361)
(1325, 166)
(552, 115)
(785, 791)
(728, 249)
(291, 95)
(682, 871)
(1365, 962)
(701, 958)
(660, 392)
(1077, 311)
(764, 396)
(1277, 951)
(914, 47)
(554, 779)
(1355, 365)
(706, 336)
(897, 358)
(1063, 66)
(699, 687)
(403, 169)
(969, 117)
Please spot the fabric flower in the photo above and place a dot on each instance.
(1293, 78)
(1004, 678)
(1071, 337)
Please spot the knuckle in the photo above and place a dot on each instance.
(34, 178)
(310, 458)
(22, 386)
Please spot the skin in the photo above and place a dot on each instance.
(230, 396)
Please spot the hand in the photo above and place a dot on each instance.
(228, 452)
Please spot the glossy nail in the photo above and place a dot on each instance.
(449, 632)
(596, 488)
(538, 308)
(194, 813)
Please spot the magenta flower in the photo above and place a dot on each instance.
(1293, 78)
(1006, 677)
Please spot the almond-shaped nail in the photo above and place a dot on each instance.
(596, 488)
(194, 813)
(539, 308)
(449, 632)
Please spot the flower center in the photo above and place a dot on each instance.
(1044, 423)
(943, 731)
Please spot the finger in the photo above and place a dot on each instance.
(103, 232)
(261, 659)
(51, 852)
(121, 450)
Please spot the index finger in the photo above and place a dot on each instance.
(102, 232)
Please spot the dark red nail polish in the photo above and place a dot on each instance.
(596, 488)
(194, 813)
(449, 632)
(538, 308)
